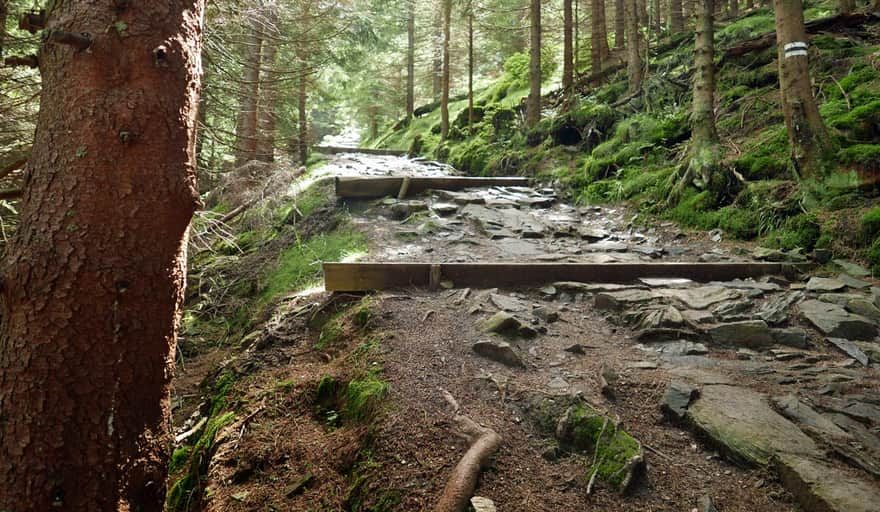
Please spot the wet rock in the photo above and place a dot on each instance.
(545, 314)
(819, 487)
(481, 504)
(403, 209)
(461, 197)
(791, 337)
(607, 246)
(701, 297)
(803, 414)
(851, 349)
(676, 399)
(825, 284)
(852, 269)
(622, 299)
(505, 323)
(499, 351)
(575, 287)
(748, 333)
(836, 322)
(742, 422)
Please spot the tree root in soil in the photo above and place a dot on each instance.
(462, 483)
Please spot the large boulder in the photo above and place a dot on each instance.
(834, 321)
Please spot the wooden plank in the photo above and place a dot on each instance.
(334, 150)
(354, 187)
(382, 276)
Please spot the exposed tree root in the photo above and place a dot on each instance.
(462, 483)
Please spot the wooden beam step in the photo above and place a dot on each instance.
(354, 187)
(335, 150)
(352, 277)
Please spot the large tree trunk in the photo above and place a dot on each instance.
(246, 139)
(470, 19)
(533, 104)
(634, 69)
(656, 20)
(807, 135)
(567, 45)
(734, 8)
(444, 101)
(703, 109)
(94, 279)
(410, 57)
(269, 103)
(4, 13)
(619, 24)
(676, 17)
(303, 118)
(437, 63)
(598, 36)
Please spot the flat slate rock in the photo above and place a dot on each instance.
(803, 414)
(748, 333)
(777, 310)
(863, 307)
(852, 282)
(499, 351)
(851, 349)
(623, 298)
(834, 321)
(791, 337)
(677, 398)
(825, 284)
(573, 286)
(852, 269)
(481, 504)
(819, 487)
(742, 422)
(701, 297)
(666, 282)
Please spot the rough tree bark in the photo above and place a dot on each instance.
(634, 69)
(733, 6)
(533, 103)
(470, 28)
(437, 62)
(656, 21)
(567, 45)
(676, 17)
(246, 139)
(598, 36)
(269, 83)
(808, 137)
(444, 100)
(4, 13)
(94, 278)
(619, 24)
(303, 118)
(410, 57)
(703, 131)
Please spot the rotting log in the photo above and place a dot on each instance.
(335, 150)
(830, 23)
(390, 186)
(353, 277)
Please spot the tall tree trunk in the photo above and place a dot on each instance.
(246, 132)
(676, 17)
(847, 6)
(567, 45)
(577, 38)
(687, 11)
(94, 276)
(410, 57)
(807, 134)
(437, 63)
(533, 104)
(444, 101)
(303, 118)
(750, 4)
(656, 21)
(634, 69)
(598, 36)
(470, 19)
(619, 24)
(269, 103)
(642, 11)
(4, 13)
(703, 109)
(734, 8)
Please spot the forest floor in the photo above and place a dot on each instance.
(338, 403)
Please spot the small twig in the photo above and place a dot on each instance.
(191, 432)
(845, 95)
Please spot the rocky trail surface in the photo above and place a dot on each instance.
(654, 395)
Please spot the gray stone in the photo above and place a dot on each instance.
(666, 282)
(748, 284)
(820, 487)
(623, 298)
(403, 209)
(557, 383)
(767, 254)
(871, 349)
(662, 316)
(642, 365)
(606, 246)
(593, 234)
(748, 333)
(791, 337)
(664, 334)
(862, 411)
(548, 291)
(875, 296)
(573, 286)
(678, 348)
(545, 314)
(701, 297)
(841, 299)
(825, 284)
(481, 504)
(696, 317)
(821, 256)
(499, 351)
(742, 421)
(803, 414)
(676, 400)
(836, 322)
(712, 257)
(506, 303)
(851, 349)
(852, 269)
(733, 311)
(865, 308)
(852, 282)
(505, 323)
(444, 208)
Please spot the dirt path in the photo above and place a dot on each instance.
(744, 336)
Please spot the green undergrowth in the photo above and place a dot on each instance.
(599, 152)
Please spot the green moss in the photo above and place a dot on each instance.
(741, 223)
(800, 231)
(185, 493)
(870, 223)
(364, 397)
(695, 209)
(863, 121)
(862, 156)
(594, 434)
(179, 458)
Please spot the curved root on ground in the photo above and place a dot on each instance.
(462, 483)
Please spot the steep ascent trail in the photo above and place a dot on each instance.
(756, 395)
